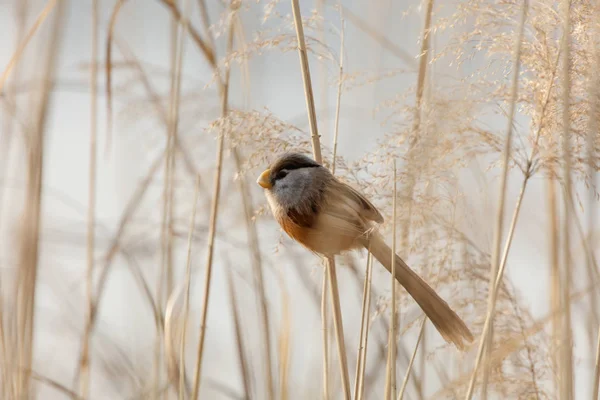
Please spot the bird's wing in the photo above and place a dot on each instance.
(368, 210)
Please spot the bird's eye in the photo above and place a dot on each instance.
(281, 174)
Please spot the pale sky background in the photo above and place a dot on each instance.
(276, 83)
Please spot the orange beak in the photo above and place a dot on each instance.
(263, 179)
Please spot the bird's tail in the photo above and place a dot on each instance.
(447, 322)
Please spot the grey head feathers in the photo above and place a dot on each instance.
(289, 162)
(298, 185)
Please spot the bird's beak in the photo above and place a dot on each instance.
(263, 179)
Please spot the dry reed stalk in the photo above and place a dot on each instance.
(390, 381)
(30, 228)
(412, 360)
(324, 294)
(284, 342)
(224, 92)
(325, 334)
(316, 144)
(168, 192)
(84, 361)
(496, 270)
(338, 105)
(566, 359)
(7, 351)
(596, 369)
(364, 331)
(412, 169)
(337, 325)
(164, 283)
(253, 237)
(555, 299)
(108, 70)
(239, 337)
(188, 283)
(498, 231)
(14, 59)
(194, 35)
(308, 92)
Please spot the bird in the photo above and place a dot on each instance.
(329, 217)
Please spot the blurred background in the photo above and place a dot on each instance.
(131, 136)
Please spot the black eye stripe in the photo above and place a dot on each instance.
(290, 166)
(280, 174)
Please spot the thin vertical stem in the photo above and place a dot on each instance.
(364, 322)
(364, 331)
(412, 360)
(178, 29)
(224, 88)
(325, 334)
(338, 326)
(84, 378)
(496, 271)
(566, 345)
(339, 94)
(31, 223)
(238, 336)
(330, 264)
(390, 387)
(186, 301)
(308, 91)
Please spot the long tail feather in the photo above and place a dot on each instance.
(447, 322)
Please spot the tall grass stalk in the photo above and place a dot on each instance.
(390, 385)
(496, 270)
(224, 92)
(91, 223)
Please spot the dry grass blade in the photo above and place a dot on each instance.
(566, 356)
(29, 240)
(239, 337)
(412, 163)
(390, 383)
(284, 342)
(325, 333)
(108, 68)
(186, 301)
(195, 36)
(412, 360)
(17, 55)
(224, 89)
(338, 104)
(324, 291)
(364, 331)
(84, 378)
(596, 369)
(555, 300)
(496, 270)
(166, 233)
